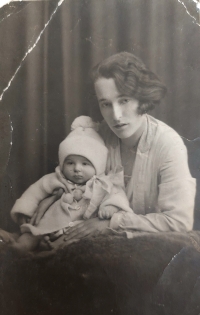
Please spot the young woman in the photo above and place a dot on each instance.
(158, 182)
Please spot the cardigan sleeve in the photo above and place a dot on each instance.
(31, 198)
(176, 194)
(116, 198)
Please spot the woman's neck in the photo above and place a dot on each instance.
(133, 140)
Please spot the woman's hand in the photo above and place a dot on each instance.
(89, 227)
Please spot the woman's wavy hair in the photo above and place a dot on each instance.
(132, 78)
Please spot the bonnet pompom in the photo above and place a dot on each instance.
(84, 122)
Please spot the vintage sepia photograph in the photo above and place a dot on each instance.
(100, 157)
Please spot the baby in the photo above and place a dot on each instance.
(85, 189)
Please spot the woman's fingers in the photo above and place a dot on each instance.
(60, 243)
(76, 227)
(85, 228)
(79, 232)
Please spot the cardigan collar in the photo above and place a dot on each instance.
(148, 134)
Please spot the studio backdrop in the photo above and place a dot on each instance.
(47, 49)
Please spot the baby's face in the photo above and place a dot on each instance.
(78, 169)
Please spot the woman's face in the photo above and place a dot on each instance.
(119, 111)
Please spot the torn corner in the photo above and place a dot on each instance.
(192, 8)
(4, 2)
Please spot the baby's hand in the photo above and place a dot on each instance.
(107, 212)
(22, 218)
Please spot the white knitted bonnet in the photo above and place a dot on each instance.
(84, 140)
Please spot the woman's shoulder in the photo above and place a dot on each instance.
(165, 134)
(167, 146)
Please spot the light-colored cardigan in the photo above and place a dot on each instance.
(161, 190)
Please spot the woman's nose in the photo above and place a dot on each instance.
(117, 112)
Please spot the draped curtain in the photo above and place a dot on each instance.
(47, 49)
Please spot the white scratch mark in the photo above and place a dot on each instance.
(89, 39)
(79, 20)
(195, 139)
(109, 42)
(173, 258)
(11, 143)
(198, 5)
(6, 17)
(30, 49)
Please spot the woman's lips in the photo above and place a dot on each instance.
(120, 126)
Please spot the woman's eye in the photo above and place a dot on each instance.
(105, 104)
(124, 101)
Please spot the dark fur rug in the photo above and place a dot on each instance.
(149, 274)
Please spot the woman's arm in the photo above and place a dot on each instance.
(175, 205)
(176, 195)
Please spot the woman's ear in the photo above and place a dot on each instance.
(145, 107)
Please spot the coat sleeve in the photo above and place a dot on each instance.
(31, 198)
(176, 195)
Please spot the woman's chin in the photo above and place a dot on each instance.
(123, 133)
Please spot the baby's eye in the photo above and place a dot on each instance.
(85, 163)
(69, 163)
